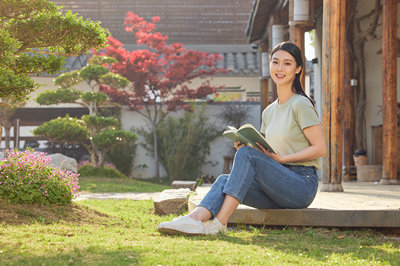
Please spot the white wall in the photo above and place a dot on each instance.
(219, 147)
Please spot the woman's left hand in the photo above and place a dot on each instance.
(274, 156)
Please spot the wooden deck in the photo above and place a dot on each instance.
(360, 205)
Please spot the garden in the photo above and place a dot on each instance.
(41, 223)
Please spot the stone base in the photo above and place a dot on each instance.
(171, 201)
(184, 184)
(331, 187)
(389, 182)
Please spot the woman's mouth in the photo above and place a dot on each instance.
(280, 76)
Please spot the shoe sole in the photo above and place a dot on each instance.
(170, 231)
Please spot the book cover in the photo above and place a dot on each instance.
(247, 134)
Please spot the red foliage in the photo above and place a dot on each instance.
(162, 73)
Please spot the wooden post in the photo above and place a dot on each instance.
(264, 81)
(296, 33)
(348, 104)
(389, 91)
(332, 86)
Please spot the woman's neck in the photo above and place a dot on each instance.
(284, 94)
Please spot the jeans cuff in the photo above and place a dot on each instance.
(233, 194)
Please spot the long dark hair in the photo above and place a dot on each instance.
(294, 51)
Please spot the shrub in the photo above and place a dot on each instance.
(123, 156)
(106, 171)
(183, 144)
(26, 178)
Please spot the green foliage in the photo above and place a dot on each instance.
(114, 80)
(10, 83)
(101, 60)
(26, 178)
(106, 171)
(68, 79)
(123, 156)
(93, 72)
(184, 144)
(58, 96)
(95, 97)
(109, 138)
(68, 129)
(100, 122)
(31, 28)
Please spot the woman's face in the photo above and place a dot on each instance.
(283, 68)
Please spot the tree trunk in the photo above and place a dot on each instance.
(155, 147)
(1, 131)
(7, 138)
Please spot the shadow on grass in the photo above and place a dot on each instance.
(321, 243)
(89, 256)
(15, 214)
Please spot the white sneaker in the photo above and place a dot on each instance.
(214, 227)
(182, 225)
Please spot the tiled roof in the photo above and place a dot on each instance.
(239, 59)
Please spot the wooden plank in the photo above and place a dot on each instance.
(361, 205)
(389, 91)
(318, 217)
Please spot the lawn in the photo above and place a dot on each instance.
(106, 184)
(123, 232)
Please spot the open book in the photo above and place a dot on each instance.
(247, 134)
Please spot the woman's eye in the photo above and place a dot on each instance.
(274, 62)
(288, 64)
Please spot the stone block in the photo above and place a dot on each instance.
(63, 162)
(171, 201)
(184, 184)
(369, 173)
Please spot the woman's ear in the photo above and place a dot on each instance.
(298, 69)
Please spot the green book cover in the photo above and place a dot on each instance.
(247, 134)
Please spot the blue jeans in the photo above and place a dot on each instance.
(258, 181)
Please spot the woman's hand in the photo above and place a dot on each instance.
(238, 145)
(274, 156)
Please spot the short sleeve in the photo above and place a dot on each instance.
(263, 119)
(305, 114)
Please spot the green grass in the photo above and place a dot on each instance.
(123, 232)
(105, 184)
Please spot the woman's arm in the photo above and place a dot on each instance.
(316, 149)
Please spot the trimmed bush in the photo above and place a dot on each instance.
(106, 171)
(26, 178)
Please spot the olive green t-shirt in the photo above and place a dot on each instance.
(283, 126)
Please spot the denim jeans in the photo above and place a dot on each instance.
(258, 181)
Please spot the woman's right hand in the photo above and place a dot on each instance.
(238, 145)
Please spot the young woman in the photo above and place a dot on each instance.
(260, 178)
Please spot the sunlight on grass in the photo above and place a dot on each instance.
(123, 232)
(118, 185)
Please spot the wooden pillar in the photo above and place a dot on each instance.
(332, 91)
(264, 79)
(348, 95)
(296, 33)
(389, 91)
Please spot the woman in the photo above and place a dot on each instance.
(260, 178)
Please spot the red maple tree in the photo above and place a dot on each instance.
(160, 75)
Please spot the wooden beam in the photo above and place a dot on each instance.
(296, 33)
(389, 91)
(348, 103)
(264, 81)
(332, 83)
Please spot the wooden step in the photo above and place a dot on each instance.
(360, 205)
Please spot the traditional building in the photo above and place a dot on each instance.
(355, 74)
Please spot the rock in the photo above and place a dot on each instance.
(171, 201)
(184, 184)
(63, 162)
